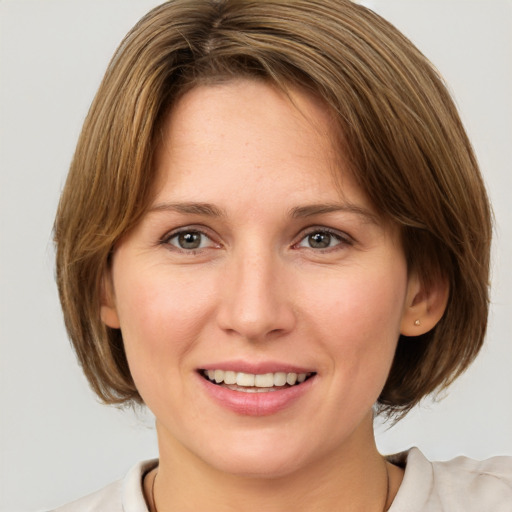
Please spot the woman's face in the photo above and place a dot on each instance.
(255, 269)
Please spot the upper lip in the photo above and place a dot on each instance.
(257, 368)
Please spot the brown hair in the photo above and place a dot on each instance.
(400, 129)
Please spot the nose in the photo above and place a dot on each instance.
(256, 302)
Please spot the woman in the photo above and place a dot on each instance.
(274, 215)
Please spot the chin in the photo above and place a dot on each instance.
(259, 467)
(266, 459)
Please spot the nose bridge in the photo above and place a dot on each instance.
(254, 304)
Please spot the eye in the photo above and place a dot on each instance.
(189, 240)
(323, 239)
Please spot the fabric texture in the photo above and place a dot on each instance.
(459, 485)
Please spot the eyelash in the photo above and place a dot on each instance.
(166, 240)
(342, 239)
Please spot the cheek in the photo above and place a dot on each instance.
(361, 300)
(161, 317)
(357, 319)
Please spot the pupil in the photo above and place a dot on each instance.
(319, 240)
(189, 240)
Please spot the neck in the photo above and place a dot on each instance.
(354, 479)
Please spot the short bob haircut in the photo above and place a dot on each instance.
(398, 127)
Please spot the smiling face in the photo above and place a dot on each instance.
(260, 307)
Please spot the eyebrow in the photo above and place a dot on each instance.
(299, 212)
(190, 208)
(324, 208)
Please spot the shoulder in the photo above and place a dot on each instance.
(108, 498)
(458, 485)
(120, 496)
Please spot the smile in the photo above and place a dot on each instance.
(262, 393)
(255, 383)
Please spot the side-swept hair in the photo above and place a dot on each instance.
(398, 127)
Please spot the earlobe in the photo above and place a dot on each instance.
(425, 305)
(108, 310)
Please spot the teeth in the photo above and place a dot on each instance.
(244, 379)
(279, 379)
(291, 378)
(230, 378)
(250, 380)
(264, 381)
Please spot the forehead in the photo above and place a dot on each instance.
(229, 110)
(254, 133)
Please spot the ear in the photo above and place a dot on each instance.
(108, 310)
(424, 306)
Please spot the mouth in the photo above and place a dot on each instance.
(255, 383)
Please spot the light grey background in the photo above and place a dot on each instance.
(56, 441)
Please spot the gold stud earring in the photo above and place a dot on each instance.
(417, 322)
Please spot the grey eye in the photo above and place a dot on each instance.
(320, 240)
(189, 240)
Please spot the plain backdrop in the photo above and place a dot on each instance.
(56, 441)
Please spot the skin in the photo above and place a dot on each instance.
(255, 290)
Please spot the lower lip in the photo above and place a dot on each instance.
(256, 404)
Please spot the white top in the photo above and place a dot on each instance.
(459, 485)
